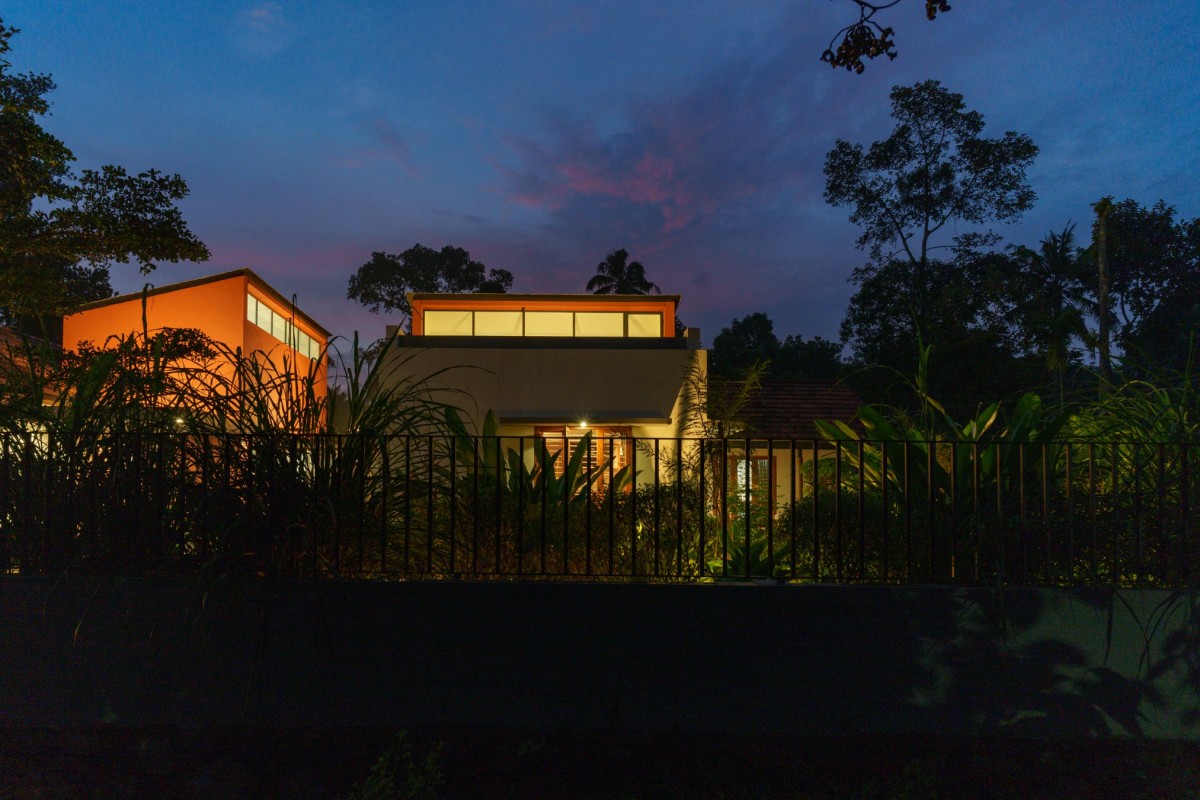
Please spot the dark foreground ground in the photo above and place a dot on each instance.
(116, 763)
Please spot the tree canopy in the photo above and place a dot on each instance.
(616, 274)
(751, 340)
(907, 192)
(61, 230)
(382, 284)
(1048, 299)
(935, 169)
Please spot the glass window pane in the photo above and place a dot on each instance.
(645, 325)
(279, 327)
(447, 323)
(252, 309)
(549, 323)
(589, 323)
(497, 323)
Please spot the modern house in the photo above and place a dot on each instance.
(236, 309)
(774, 430)
(556, 367)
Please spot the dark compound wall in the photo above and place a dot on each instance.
(619, 657)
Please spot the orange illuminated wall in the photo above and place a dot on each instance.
(663, 305)
(216, 306)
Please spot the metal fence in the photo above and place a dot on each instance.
(983, 513)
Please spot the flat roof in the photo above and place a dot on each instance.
(246, 272)
(573, 298)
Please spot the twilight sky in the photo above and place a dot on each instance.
(543, 134)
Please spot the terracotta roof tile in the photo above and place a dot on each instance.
(787, 409)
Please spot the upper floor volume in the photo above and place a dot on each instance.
(545, 316)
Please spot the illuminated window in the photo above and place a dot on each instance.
(645, 325)
(280, 327)
(498, 323)
(549, 323)
(588, 323)
(609, 451)
(566, 324)
(448, 323)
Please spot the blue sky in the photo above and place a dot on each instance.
(543, 134)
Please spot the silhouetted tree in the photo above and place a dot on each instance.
(1049, 291)
(751, 340)
(616, 274)
(1154, 277)
(935, 170)
(61, 230)
(384, 282)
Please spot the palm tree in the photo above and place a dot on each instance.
(1052, 301)
(616, 274)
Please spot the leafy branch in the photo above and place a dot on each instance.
(866, 38)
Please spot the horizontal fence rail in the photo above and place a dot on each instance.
(881, 512)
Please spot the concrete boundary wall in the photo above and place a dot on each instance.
(743, 659)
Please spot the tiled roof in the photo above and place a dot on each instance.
(787, 409)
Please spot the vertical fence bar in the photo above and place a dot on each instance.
(408, 503)
(657, 488)
(499, 505)
(749, 507)
(999, 544)
(362, 501)
(1046, 561)
(1162, 511)
(793, 479)
(976, 519)
(770, 508)
(1137, 513)
(906, 497)
(700, 565)
(612, 508)
(182, 496)
(541, 453)
(587, 511)
(930, 508)
(724, 507)
(476, 445)
(6, 503)
(1184, 534)
(679, 507)
(837, 510)
(453, 502)
(862, 523)
(568, 498)
(633, 520)
(887, 511)
(954, 510)
(429, 528)
(815, 518)
(521, 506)
(1023, 529)
(29, 539)
(385, 466)
(1092, 510)
(1114, 537)
(1070, 501)
(160, 489)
